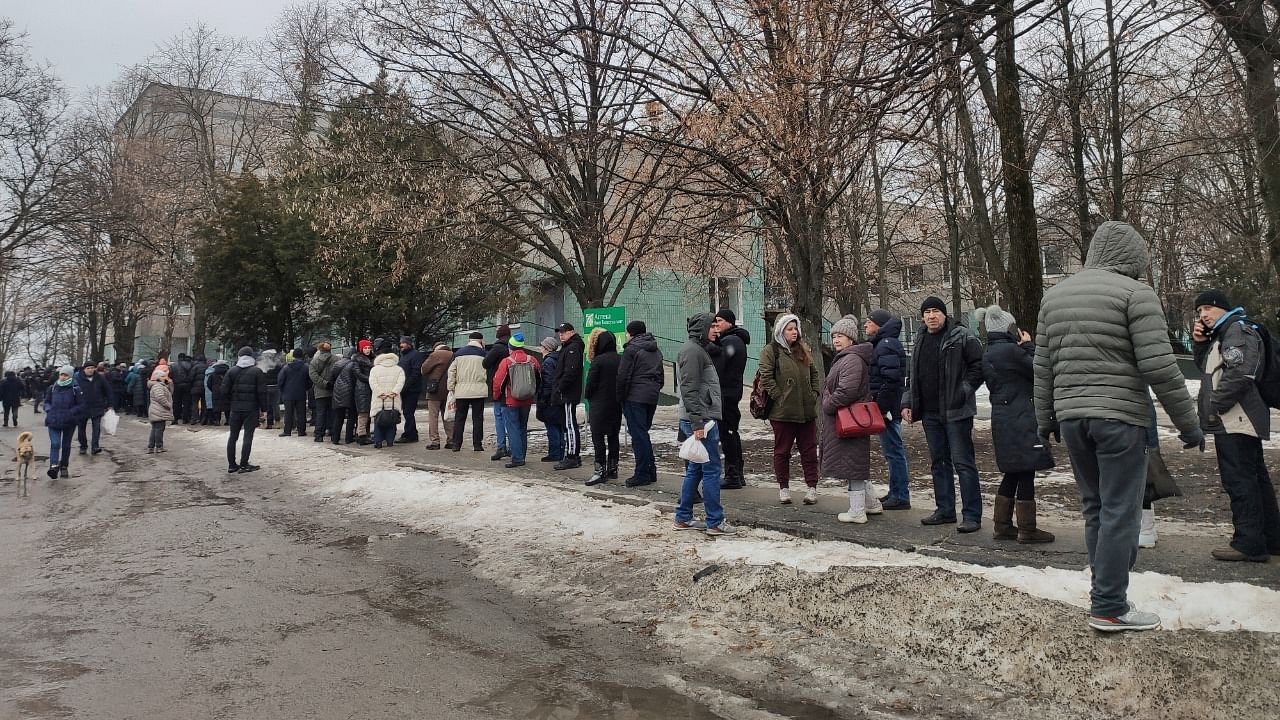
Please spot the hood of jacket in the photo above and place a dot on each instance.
(1117, 247)
(738, 332)
(863, 350)
(781, 324)
(643, 342)
(699, 326)
(601, 341)
(387, 360)
(891, 329)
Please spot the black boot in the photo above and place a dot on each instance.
(611, 471)
(599, 476)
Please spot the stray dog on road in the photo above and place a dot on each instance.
(26, 454)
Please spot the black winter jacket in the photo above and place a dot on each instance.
(640, 376)
(221, 401)
(569, 371)
(492, 359)
(97, 394)
(361, 393)
(731, 363)
(959, 372)
(602, 383)
(294, 380)
(343, 390)
(888, 360)
(549, 412)
(246, 389)
(1009, 370)
(11, 389)
(411, 362)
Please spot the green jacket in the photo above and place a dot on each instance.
(1102, 340)
(794, 387)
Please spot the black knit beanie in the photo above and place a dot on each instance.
(1213, 297)
(933, 303)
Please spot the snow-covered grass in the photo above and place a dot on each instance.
(490, 513)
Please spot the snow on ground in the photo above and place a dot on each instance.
(487, 511)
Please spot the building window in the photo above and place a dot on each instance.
(912, 277)
(726, 293)
(1052, 257)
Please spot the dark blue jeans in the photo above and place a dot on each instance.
(60, 445)
(555, 439)
(516, 420)
(895, 456)
(951, 450)
(500, 426)
(409, 403)
(639, 421)
(707, 475)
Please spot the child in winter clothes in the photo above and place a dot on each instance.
(160, 409)
(515, 412)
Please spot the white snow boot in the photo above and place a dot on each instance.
(873, 502)
(1147, 535)
(857, 508)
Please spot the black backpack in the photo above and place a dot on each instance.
(1268, 381)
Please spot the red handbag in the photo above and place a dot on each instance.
(860, 419)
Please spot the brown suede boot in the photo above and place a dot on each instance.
(1027, 532)
(1003, 517)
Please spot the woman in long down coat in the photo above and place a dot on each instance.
(848, 382)
(1008, 367)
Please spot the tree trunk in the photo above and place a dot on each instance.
(1026, 275)
(1113, 112)
(124, 330)
(882, 243)
(1075, 93)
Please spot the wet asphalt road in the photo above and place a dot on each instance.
(164, 588)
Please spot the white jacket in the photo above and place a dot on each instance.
(386, 378)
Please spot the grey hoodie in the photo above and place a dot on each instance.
(1101, 340)
(697, 384)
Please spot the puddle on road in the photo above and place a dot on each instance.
(592, 701)
(362, 540)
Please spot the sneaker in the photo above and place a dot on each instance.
(84, 451)
(247, 468)
(499, 455)
(723, 528)
(63, 473)
(160, 450)
(938, 518)
(969, 526)
(569, 463)
(52, 472)
(433, 446)
(233, 469)
(895, 504)
(691, 525)
(151, 451)
(784, 496)
(514, 464)
(850, 517)
(637, 482)
(1133, 620)
(811, 496)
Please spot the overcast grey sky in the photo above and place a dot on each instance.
(89, 41)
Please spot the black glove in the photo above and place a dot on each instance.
(1192, 439)
(1045, 434)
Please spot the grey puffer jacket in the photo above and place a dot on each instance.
(696, 379)
(1102, 339)
(847, 382)
(1231, 359)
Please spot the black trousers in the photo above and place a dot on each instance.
(1018, 485)
(476, 407)
(322, 415)
(180, 399)
(572, 431)
(409, 405)
(248, 422)
(604, 438)
(295, 416)
(1253, 498)
(340, 417)
(10, 410)
(730, 439)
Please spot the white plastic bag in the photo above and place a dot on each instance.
(110, 421)
(693, 450)
(450, 408)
